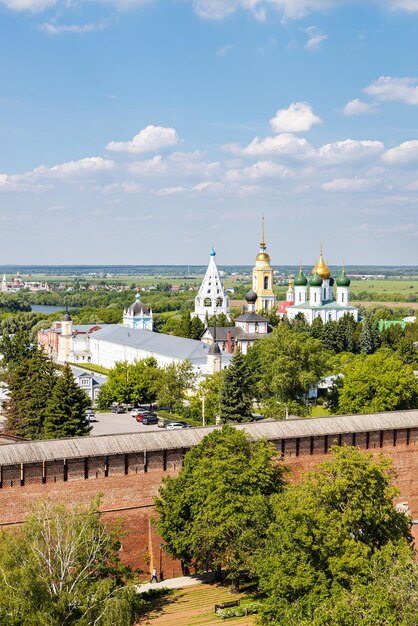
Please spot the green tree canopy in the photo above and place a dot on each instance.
(285, 366)
(218, 508)
(65, 415)
(377, 382)
(176, 379)
(385, 595)
(31, 385)
(14, 349)
(325, 531)
(135, 383)
(62, 568)
(235, 397)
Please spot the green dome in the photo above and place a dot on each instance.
(343, 280)
(300, 280)
(315, 280)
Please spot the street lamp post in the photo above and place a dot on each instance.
(161, 563)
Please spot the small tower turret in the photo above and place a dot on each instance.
(214, 358)
(301, 287)
(315, 290)
(290, 294)
(343, 288)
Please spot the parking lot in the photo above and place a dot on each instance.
(117, 423)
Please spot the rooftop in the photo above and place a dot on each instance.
(154, 343)
(80, 447)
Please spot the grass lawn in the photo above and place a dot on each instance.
(193, 606)
(319, 411)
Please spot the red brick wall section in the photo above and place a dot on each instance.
(129, 483)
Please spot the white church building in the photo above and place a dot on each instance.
(315, 297)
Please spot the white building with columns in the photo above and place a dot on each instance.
(211, 299)
(315, 297)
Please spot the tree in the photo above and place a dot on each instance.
(16, 348)
(65, 415)
(386, 595)
(377, 382)
(235, 398)
(325, 531)
(285, 366)
(31, 385)
(369, 337)
(216, 511)
(208, 392)
(135, 383)
(197, 328)
(317, 328)
(62, 568)
(176, 379)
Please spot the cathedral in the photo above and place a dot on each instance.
(315, 297)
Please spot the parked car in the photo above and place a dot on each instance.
(91, 416)
(177, 425)
(118, 409)
(135, 412)
(149, 419)
(163, 421)
(140, 416)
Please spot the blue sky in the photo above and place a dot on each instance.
(146, 131)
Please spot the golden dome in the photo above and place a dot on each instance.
(263, 256)
(321, 268)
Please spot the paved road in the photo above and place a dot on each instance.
(116, 423)
(177, 583)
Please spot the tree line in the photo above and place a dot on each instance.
(330, 549)
(45, 401)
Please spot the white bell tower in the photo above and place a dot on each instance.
(211, 299)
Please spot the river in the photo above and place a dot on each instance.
(46, 308)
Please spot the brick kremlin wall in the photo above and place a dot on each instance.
(129, 482)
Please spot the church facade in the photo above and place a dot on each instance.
(138, 315)
(315, 297)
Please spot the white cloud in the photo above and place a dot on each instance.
(36, 6)
(149, 139)
(298, 117)
(400, 228)
(285, 144)
(406, 152)
(290, 9)
(259, 170)
(394, 89)
(208, 186)
(222, 51)
(348, 184)
(349, 150)
(73, 168)
(176, 164)
(52, 28)
(357, 107)
(170, 191)
(315, 38)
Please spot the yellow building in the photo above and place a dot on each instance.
(263, 279)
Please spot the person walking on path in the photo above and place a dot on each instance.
(154, 578)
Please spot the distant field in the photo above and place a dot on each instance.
(401, 285)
